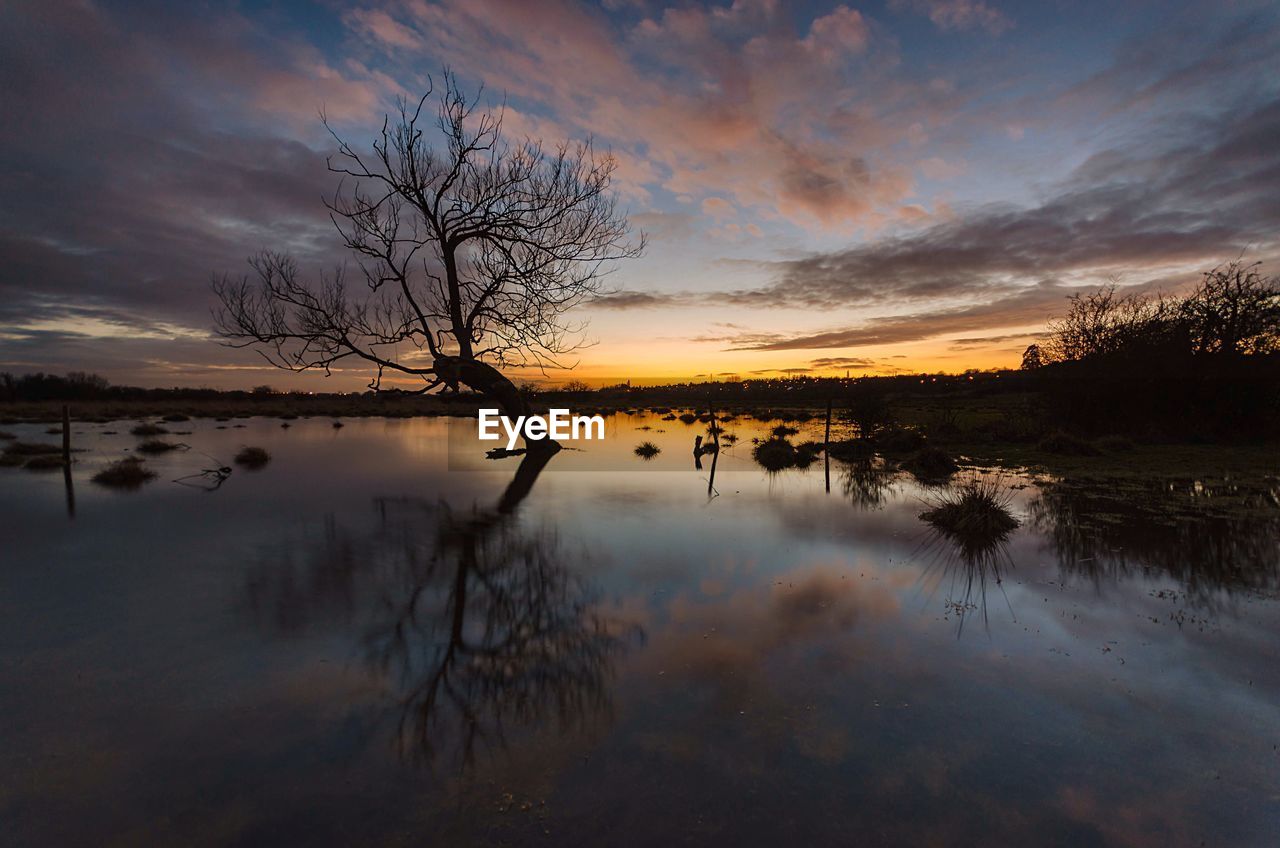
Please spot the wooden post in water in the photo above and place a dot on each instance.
(826, 447)
(715, 458)
(66, 434)
(66, 461)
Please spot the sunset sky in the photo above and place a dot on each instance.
(901, 185)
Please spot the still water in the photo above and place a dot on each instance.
(367, 643)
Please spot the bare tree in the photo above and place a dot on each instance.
(1234, 310)
(471, 251)
(1103, 322)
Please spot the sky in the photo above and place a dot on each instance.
(910, 185)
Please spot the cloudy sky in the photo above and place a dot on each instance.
(910, 184)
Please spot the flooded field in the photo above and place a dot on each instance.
(377, 638)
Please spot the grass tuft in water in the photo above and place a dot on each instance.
(648, 450)
(157, 446)
(976, 512)
(20, 453)
(124, 474)
(253, 458)
(931, 463)
(44, 462)
(148, 430)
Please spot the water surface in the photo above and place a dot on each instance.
(364, 643)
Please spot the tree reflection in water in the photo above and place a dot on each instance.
(866, 482)
(478, 622)
(1210, 538)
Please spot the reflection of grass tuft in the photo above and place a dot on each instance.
(253, 458)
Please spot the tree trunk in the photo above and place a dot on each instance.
(493, 384)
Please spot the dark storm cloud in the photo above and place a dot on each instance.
(1120, 210)
(135, 164)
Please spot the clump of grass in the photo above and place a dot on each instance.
(668, 417)
(899, 440)
(851, 450)
(647, 450)
(976, 512)
(31, 449)
(930, 463)
(124, 474)
(20, 453)
(688, 418)
(1066, 444)
(54, 431)
(338, 425)
(155, 446)
(729, 438)
(1115, 444)
(177, 416)
(714, 429)
(7, 437)
(148, 430)
(253, 458)
(44, 462)
(776, 454)
(807, 453)
(782, 431)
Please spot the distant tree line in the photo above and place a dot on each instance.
(1202, 365)
(1235, 311)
